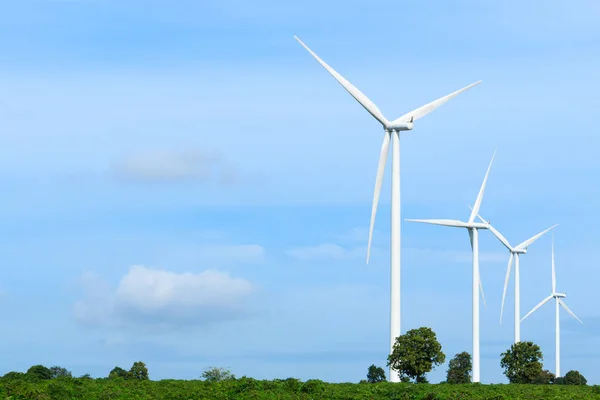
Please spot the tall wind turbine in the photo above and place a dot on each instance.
(558, 297)
(473, 228)
(392, 131)
(514, 254)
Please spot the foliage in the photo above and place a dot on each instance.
(60, 372)
(544, 378)
(415, 353)
(574, 378)
(138, 371)
(522, 362)
(375, 374)
(214, 374)
(40, 372)
(288, 389)
(118, 372)
(459, 368)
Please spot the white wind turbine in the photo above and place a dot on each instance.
(514, 254)
(473, 228)
(392, 129)
(558, 297)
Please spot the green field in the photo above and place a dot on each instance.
(247, 388)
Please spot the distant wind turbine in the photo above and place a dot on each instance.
(473, 228)
(392, 131)
(558, 297)
(514, 254)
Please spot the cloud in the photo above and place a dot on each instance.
(175, 166)
(162, 299)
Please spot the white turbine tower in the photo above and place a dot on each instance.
(514, 254)
(558, 297)
(473, 228)
(392, 129)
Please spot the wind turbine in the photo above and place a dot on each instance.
(392, 131)
(473, 228)
(514, 254)
(558, 297)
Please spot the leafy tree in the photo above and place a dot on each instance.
(459, 368)
(39, 372)
(13, 375)
(574, 378)
(214, 374)
(375, 374)
(60, 372)
(85, 376)
(138, 371)
(544, 378)
(522, 362)
(118, 372)
(415, 353)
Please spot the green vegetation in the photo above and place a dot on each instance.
(414, 354)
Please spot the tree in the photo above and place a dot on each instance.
(214, 374)
(459, 368)
(522, 362)
(375, 374)
(138, 371)
(544, 378)
(39, 372)
(118, 372)
(60, 372)
(574, 378)
(415, 353)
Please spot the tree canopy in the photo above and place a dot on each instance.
(522, 362)
(459, 368)
(416, 353)
(375, 374)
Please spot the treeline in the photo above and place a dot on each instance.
(418, 352)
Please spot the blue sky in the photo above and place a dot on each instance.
(184, 185)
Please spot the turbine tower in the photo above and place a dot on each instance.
(392, 131)
(514, 254)
(558, 297)
(473, 228)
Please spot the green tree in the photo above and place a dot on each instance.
(544, 378)
(522, 362)
(375, 374)
(60, 372)
(138, 371)
(459, 368)
(118, 372)
(574, 378)
(415, 353)
(214, 374)
(39, 372)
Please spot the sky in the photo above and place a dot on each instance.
(182, 184)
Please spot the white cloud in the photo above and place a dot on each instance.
(171, 165)
(160, 298)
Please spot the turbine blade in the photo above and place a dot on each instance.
(500, 237)
(444, 222)
(378, 182)
(541, 303)
(477, 205)
(427, 108)
(350, 88)
(532, 239)
(567, 309)
(553, 268)
(481, 290)
(510, 260)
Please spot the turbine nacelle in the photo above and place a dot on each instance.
(520, 251)
(399, 126)
(559, 295)
(478, 225)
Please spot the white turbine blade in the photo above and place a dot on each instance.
(378, 182)
(553, 268)
(541, 303)
(510, 260)
(532, 239)
(444, 222)
(477, 204)
(500, 237)
(481, 290)
(354, 92)
(567, 309)
(427, 108)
